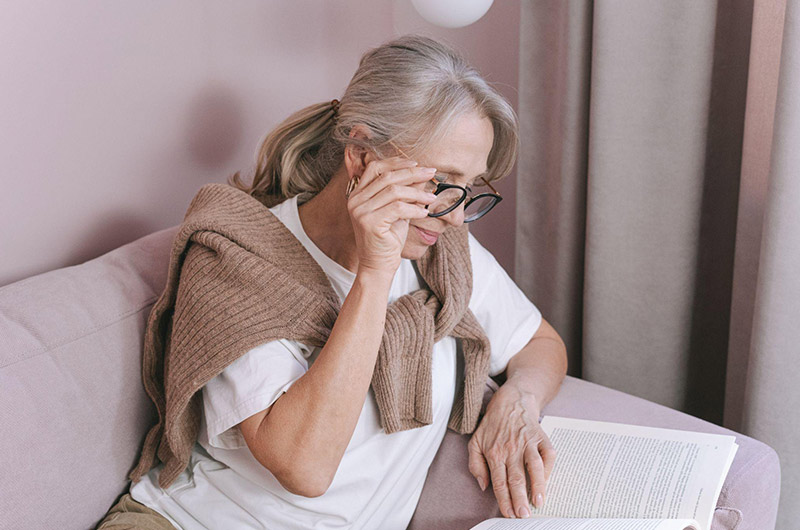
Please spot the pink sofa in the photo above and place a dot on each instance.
(73, 412)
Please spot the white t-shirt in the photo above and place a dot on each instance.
(380, 477)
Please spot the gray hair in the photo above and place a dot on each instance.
(408, 91)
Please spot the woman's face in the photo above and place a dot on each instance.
(461, 156)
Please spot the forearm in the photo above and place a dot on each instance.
(309, 427)
(539, 368)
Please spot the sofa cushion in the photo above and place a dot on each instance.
(72, 405)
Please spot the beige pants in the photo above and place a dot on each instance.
(129, 514)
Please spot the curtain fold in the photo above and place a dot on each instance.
(639, 218)
(555, 41)
(772, 398)
(767, 36)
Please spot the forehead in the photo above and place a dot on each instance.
(463, 152)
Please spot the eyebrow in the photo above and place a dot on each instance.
(456, 173)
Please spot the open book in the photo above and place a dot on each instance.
(611, 476)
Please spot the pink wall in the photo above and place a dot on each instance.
(113, 114)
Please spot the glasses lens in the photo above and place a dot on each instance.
(448, 198)
(478, 207)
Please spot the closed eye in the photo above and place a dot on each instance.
(444, 178)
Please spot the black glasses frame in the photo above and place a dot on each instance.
(440, 187)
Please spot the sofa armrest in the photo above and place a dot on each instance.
(451, 498)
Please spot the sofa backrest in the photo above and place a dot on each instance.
(73, 411)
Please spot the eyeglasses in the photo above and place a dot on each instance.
(450, 196)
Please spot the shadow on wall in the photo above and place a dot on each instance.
(214, 127)
(113, 230)
(212, 133)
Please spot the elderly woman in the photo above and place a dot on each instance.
(323, 325)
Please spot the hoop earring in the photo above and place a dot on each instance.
(351, 185)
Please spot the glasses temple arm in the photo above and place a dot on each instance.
(491, 187)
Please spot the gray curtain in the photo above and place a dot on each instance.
(658, 215)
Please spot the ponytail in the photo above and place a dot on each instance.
(291, 159)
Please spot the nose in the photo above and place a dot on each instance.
(456, 217)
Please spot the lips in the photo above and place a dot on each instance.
(427, 236)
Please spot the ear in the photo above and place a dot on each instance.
(356, 157)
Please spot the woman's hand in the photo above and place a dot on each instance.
(510, 447)
(380, 207)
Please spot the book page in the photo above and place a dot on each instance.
(612, 470)
(585, 524)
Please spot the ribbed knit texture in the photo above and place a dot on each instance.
(239, 278)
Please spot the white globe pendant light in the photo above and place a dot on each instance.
(452, 13)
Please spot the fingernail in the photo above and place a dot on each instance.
(539, 500)
(430, 170)
(481, 484)
(524, 512)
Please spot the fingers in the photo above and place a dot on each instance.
(378, 168)
(512, 471)
(397, 211)
(536, 472)
(477, 464)
(388, 197)
(497, 468)
(398, 192)
(548, 456)
(510, 482)
(396, 203)
(392, 171)
(517, 483)
(404, 177)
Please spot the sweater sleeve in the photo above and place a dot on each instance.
(507, 316)
(249, 385)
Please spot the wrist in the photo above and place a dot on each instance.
(526, 390)
(372, 279)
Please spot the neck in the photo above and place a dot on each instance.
(326, 222)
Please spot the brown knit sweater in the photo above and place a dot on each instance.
(239, 278)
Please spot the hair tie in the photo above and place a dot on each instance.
(335, 105)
